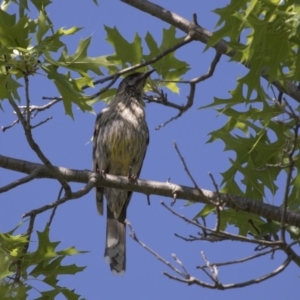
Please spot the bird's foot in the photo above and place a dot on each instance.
(101, 173)
(132, 178)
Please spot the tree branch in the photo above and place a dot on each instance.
(201, 34)
(34, 146)
(187, 278)
(165, 189)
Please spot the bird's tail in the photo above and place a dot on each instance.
(99, 200)
(115, 247)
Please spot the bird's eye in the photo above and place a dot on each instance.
(132, 82)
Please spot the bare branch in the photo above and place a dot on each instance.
(75, 195)
(223, 234)
(218, 205)
(186, 169)
(34, 108)
(237, 261)
(103, 90)
(188, 279)
(290, 153)
(34, 146)
(192, 83)
(54, 209)
(164, 189)
(4, 128)
(133, 235)
(18, 262)
(28, 113)
(33, 175)
(41, 123)
(212, 268)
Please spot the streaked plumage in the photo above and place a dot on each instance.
(121, 137)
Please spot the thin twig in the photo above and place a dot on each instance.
(224, 234)
(185, 41)
(75, 195)
(18, 262)
(179, 262)
(42, 122)
(186, 169)
(28, 113)
(54, 209)
(34, 146)
(188, 279)
(212, 268)
(193, 82)
(289, 177)
(160, 258)
(237, 261)
(103, 90)
(193, 280)
(217, 204)
(4, 128)
(34, 174)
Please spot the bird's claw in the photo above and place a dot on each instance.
(132, 178)
(101, 173)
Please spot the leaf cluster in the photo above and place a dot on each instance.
(43, 264)
(260, 127)
(29, 46)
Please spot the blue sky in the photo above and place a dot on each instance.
(66, 142)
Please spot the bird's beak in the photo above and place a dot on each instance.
(146, 75)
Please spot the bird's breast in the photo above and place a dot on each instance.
(125, 140)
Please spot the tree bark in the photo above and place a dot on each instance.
(165, 189)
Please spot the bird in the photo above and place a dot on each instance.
(120, 141)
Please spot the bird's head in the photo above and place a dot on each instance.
(133, 84)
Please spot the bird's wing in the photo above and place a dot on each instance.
(99, 190)
(142, 162)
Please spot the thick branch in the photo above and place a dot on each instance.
(165, 189)
(201, 34)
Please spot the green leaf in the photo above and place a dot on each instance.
(69, 90)
(107, 96)
(294, 232)
(54, 268)
(268, 228)
(42, 27)
(169, 67)
(126, 53)
(51, 43)
(9, 291)
(80, 62)
(49, 295)
(11, 248)
(241, 220)
(232, 24)
(45, 250)
(8, 88)
(12, 33)
(40, 4)
(5, 262)
(205, 211)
